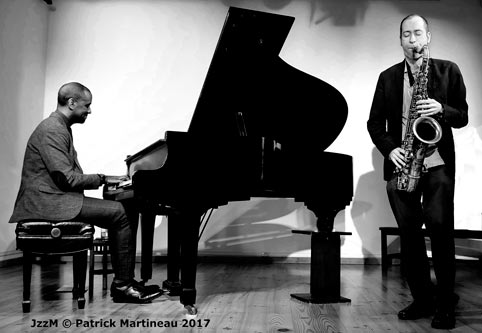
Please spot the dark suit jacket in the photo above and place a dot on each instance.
(52, 180)
(445, 84)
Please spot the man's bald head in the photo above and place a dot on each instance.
(73, 90)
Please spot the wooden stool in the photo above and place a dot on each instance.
(99, 246)
(55, 239)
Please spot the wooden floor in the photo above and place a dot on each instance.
(233, 298)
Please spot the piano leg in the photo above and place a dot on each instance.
(148, 220)
(189, 250)
(172, 284)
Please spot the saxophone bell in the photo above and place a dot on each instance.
(427, 130)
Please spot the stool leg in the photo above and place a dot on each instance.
(80, 268)
(27, 275)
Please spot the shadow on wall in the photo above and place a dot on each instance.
(342, 13)
(371, 209)
(345, 13)
(259, 227)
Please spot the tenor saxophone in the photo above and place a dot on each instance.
(421, 132)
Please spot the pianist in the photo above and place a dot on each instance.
(52, 186)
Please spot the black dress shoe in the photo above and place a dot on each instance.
(132, 292)
(416, 310)
(148, 288)
(141, 286)
(444, 319)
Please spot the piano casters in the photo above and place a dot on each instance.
(325, 263)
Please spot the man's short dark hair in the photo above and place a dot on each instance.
(410, 16)
(70, 90)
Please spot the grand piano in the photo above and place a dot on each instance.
(260, 129)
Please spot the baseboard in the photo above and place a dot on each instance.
(10, 258)
(265, 260)
(237, 259)
(223, 259)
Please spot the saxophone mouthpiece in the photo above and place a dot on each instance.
(423, 49)
(420, 51)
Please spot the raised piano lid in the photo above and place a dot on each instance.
(246, 76)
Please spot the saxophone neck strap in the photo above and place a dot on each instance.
(411, 79)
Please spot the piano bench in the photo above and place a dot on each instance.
(394, 231)
(100, 246)
(55, 239)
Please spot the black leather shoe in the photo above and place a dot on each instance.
(416, 310)
(148, 288)
(132, 292)
(139, 285)
(444, 319)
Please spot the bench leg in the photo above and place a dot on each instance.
(105, 260)
(91, 272)
(80, 270)
(384, 251)
(27, 276)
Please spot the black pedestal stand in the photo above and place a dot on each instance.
(325, 268)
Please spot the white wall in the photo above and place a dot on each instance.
(23, 44)
(145, 62)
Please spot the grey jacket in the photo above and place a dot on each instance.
(52, 181)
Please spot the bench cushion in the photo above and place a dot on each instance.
(44, 237)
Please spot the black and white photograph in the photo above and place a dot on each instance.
(241, 166)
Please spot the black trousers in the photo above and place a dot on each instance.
(431, 204)
(121, 222)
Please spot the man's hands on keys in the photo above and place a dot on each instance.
(115, 180)
(428, 107)
(425, 107)
(397, 156)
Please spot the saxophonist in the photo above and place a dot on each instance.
(432, 201)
